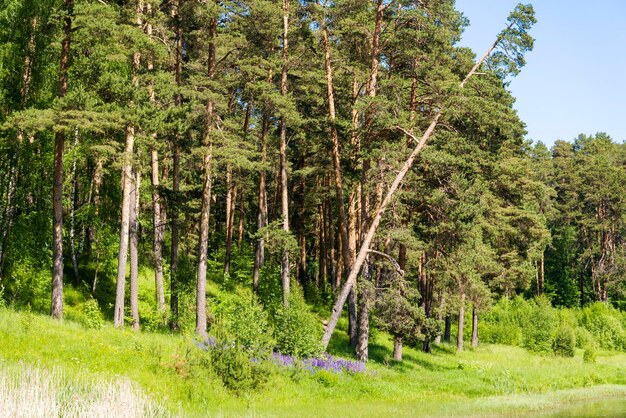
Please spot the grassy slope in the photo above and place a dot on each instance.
(489, 379)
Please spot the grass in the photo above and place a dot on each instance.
(170, 370)
(27, 391)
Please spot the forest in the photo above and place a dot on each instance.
(270, 181)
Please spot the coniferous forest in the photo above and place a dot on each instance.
(220, 192)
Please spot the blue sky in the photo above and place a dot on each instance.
(575, 78)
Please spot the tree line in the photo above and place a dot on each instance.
(349, 149)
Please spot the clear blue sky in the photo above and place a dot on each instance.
(575, 79)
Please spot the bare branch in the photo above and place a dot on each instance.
(391, 260)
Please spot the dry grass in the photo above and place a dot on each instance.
(27, 391)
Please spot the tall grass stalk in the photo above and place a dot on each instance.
(27, 391)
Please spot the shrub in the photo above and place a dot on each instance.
(537, 331)
(564, 342)
(93, 316)
(29, 285)
(584, 338)
(237, 369)
(500, 333)
(605, 324)
(296, 329)
(242, 320)
(589, 356)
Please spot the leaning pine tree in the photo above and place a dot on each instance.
(506, 55)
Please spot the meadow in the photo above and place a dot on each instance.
(172, 375)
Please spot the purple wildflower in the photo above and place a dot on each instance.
(210, 343)
(328, 363)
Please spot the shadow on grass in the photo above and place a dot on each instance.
(380, 354)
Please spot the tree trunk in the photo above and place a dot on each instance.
(474, 327)
(241, 226)
(97, 182)
(347, 248)
(543, 272)
(302, 273)
(174, 239)
(56, 308)
(201, 319)
(447, 330)
(118, 316)
(397, 349)
(322, 239)
(537, 284)
(158, 230)
(134, 247)
(459, 335)
(439, 316)
(285, 271)
(176, 181)
(259, 257)
(353, 319)
(73, 210)
(128, 203)
(231, 188)
(362, 345)
(158, 227)
(9, 210)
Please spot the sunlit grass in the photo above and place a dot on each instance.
(172, 371)
(27, 391)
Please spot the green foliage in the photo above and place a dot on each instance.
(589, 355)
(28, 285)
(297, 331)
(500, 325)
(564, 342)
(538, 326)
(93, 316)
(584, 338)
(606, 324)
(239, 371)
(242, 318)
(529, 324)
(397, 312)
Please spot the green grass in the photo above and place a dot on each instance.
(171, 370)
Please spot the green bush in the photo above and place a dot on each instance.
(564, 342)
(296, 329)
(584, 338)
(605, 324)
(539, 325)
(237, 369)
(243, 321)
(500, 333)
(589, 356)
(93, 316)
(29, 285)
(501, 324)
